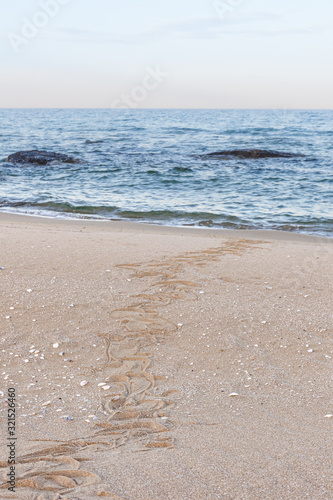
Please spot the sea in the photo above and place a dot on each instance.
(152, 166)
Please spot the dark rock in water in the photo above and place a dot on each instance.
(251, 154)
(40, 158)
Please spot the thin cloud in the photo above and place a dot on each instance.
(208, 28)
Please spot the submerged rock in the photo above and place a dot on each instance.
(36, 157)
(251, 154)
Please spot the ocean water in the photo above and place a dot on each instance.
(145, 165)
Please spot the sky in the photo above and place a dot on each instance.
(225, 54)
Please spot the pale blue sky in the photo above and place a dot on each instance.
(212, 53)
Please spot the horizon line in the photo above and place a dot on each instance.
(163, 109)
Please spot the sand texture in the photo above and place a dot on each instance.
(162, 363)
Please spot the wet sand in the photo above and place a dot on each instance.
(165, 363)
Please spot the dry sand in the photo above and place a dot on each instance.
(173, 322)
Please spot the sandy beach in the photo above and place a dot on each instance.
(155, 363)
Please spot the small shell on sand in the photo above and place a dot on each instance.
(106, 387)
(47, 403)
(56, 345)
(83, 383)
(233, 394)
(329, 415)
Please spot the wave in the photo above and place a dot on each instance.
(182, 169)
(88, 141)
(250, 130)
(319, 226)
(183, 130)
(153, 172)
(114, 211)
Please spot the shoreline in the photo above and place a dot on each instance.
(121, 225)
